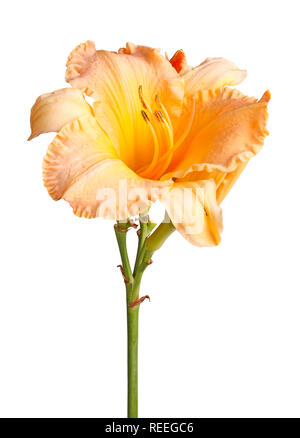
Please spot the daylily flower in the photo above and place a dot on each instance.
(158, 125)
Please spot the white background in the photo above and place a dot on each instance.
(221, 335)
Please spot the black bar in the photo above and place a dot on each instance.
(144, 426)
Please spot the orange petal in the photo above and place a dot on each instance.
(212, 73)
(194, 211)
(82, 167)
(114, 80)
(178, 61)
(52, 111)
(79, 59)
(229, 179)
(228, 128)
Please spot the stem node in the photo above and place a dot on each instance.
(139, 301)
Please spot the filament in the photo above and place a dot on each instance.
(145, 169)
(162, 133)
(143, 101)
(188, 127)
(163, 110)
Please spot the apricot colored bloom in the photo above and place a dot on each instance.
(157, 128)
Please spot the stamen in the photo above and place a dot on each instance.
(168, 131)
(143, 101)
(142, 97)
(166, 126)
(167, 157)
(164, 117)
(162, 133)
(163, 110)
(163, 164)
(145, 169)
(157, 99)
(159, 116)
(146, 118)
(188, 128)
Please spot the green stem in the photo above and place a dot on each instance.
(155, 241)
(132, 360)
(146, 247)
(132, 348)
(160, 235)
(143, 231)
(121, 235)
